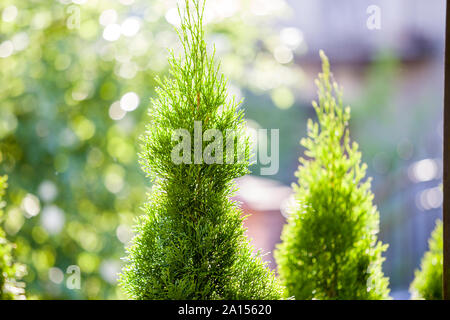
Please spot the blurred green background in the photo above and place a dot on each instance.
(76, 78)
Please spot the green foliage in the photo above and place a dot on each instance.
(329, 247)
(190, 244)
(427, 283)
(10, 271)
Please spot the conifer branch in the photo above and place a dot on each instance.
(190, 244)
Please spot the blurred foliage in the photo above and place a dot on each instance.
(428, 280)
(10, 271)
(76, 77)
(329, 246)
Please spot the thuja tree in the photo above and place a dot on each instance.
(10, 271)
(190, 244)
(329, 246)
(427, 283)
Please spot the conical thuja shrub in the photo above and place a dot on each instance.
(190, 244)
(329, 246)
(427, 283)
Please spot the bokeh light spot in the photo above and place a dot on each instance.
(31, 205)
(6, 49)
(9, 14)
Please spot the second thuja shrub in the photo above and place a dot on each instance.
(329, 246)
